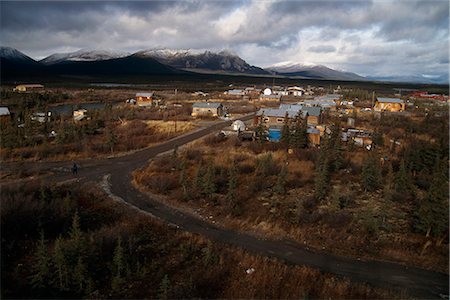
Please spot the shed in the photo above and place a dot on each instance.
(4, 114)
(214, 109)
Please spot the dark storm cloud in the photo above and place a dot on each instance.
(345, 33)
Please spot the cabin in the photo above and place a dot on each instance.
(41, 117)
(313, 136)
(314, 115)
(5, 114)
(79, 115)
(271, 117)
(144, 99)
(213, 109)
(271, 97)
(295, 91)
(389, 104)
(235, 92)
(28, 88)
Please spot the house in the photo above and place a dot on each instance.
(389, 104)
(275, 116)
(313, 136)
(251, 91)
(41, 117)
(271, 97)
(314, 115)
(5, 114)
(295, 91)
(359, 137)
(235, 92)
(199, 93)
(144, 99)
(79, 115)
(213, 109)
(28, 87)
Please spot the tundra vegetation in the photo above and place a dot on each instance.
(75, 242)
(389, 203)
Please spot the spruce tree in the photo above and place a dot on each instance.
(285, 132)
(403, 183)
(280, 187)
(432, 214)
(41, 265)
(80, 275)
(299, 139)
(260, 131)
(371, 173)
(118, 266)
(209, 187)
(232, 182)
(60, 263)
(164, 288)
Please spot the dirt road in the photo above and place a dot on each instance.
(413, 281)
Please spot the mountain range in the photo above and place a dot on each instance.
(167, 62)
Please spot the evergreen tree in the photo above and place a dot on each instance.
(209, 187)
(119, 266)
(280, 187)
(371, 173)
(80, 275)
(41, 265)
(299, 137)
(260, 130)
(388, 189)
(285, 132)
(432, 214)
(403, 183)
(232, 182)
(322, 175)
(111, 140)
(164, 288)
(184, 180)
(60, 263)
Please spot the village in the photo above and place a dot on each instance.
(339, 170)
(175, 112)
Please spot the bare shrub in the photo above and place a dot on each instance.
(161, 183)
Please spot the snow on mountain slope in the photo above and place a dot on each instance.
(225, 60)
(83, 55)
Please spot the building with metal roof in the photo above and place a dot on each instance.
(389, 104)
(213, 109)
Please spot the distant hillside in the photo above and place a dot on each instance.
(15, 64)
(312, 71)
(443, 79)
(187, 59)
(82, 55)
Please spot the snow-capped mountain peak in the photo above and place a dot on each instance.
(83, 55)
(12, 54)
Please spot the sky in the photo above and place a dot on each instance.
(375, 38)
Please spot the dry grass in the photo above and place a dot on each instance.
(170, 127)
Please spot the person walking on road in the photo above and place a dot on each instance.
(74, 169)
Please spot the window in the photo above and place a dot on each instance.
(266, 119)
(280, 120)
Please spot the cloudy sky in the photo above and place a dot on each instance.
(379, 37)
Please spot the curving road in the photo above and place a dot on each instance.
(416, 282)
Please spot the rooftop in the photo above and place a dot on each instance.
(144, 94)
(206, 105)
(390, 100)
(4, 111)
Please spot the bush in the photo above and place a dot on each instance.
(161, 183)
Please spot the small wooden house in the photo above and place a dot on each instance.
(79, 115)
(5, 114)
(389, 104)
(313, 136)
(28, 87)
(144, 99)
(213, 109)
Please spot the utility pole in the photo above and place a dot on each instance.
(373, 98)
